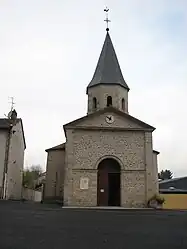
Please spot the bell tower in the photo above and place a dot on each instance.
(107, 87)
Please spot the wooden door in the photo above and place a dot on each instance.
(102, 188)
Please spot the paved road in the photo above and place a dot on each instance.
(36, 226)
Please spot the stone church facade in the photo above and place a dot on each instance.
(108, 157)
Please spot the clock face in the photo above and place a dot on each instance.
(109, 119)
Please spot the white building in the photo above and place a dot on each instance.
(12, 147)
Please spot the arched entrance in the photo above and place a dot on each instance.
(108, 183)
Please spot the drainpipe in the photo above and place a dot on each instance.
(6, 163)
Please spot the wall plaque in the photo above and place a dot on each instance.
(84, 182)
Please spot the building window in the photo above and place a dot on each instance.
(94, 103)
(109, 101)
(123, 104)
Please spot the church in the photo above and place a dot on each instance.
(108, 157)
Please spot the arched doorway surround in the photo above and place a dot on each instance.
(108, 183)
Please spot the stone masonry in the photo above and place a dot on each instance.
(12, 148)
(86, 148)
(55, 174)
(101, 93)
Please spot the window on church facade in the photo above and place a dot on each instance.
(123, 104)
(94, 103)
(109, 101)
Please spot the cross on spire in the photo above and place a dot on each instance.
(107, 20)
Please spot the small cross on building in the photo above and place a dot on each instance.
(107, 20)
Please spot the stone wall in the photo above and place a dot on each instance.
(3, 138)
(101, 92)
(119, 121)
(69, 162)
(133, 192)
(155, 171)
(84, 197)
(31, 195)
(90, 146)
(151, 168)
(85, 149)
(54, 175)
(15, 163)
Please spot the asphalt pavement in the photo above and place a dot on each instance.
(39, 226)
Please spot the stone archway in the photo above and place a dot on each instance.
(108, 183)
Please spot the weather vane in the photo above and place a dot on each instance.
(107, 20)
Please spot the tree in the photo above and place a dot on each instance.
(165, 174)
(30, 175)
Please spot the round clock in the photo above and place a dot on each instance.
(109, 119)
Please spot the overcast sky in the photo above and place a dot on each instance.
(48, 53)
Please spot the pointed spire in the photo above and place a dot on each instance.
(108, 69)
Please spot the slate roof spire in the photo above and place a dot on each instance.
(108, 69)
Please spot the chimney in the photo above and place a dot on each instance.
(14, 115)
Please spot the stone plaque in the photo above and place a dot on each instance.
(84, 181)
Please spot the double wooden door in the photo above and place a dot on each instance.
(108, 184)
